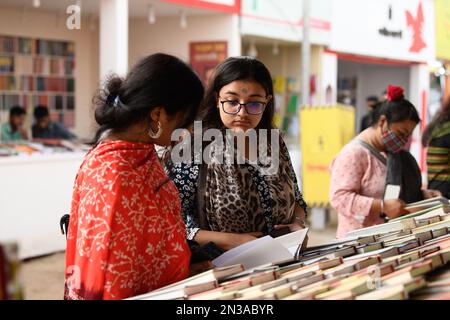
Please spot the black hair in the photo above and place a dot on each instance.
(157, 80)
(372, 99)
(17, 111)
(40, 112)
(395, 111)
(442, 116)
(234, 69)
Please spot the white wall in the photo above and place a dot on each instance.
(144, 39)
(167, 36)
(373, 79)
(47, 25)
(288, 62)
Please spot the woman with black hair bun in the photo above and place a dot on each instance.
(374, 159)
(437, 138)
(126, 235)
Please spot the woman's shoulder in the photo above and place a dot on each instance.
(353, 150)
(351, 154)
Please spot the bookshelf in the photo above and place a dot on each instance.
(38, 71)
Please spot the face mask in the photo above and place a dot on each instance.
(392, 142)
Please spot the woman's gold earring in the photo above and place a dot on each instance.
(157, 134)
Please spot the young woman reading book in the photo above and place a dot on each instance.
(229, 204)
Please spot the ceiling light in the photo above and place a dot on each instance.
(252, 51)
(183, 20)
(151, 14)
(275, 49)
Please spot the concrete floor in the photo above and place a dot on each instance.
(43, 278)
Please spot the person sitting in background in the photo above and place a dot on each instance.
(13, 130)
(372, 102)
(44, 128)
(373, 160)
(437, 138)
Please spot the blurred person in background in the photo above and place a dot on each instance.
(437, 138)
(13, 130)
(126, 236)
(384, 96)
(373, 160)
(44, 128)
(371, 102)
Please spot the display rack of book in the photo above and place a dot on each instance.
(36, 71)
(401, 259)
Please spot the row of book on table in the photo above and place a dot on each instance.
(405, 258)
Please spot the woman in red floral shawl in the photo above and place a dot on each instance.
(126, 235)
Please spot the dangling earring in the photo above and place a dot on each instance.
(157, 134)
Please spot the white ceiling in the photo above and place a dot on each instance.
(137, 8)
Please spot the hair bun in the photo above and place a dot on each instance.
(394, 93)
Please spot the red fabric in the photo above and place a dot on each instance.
(126, 235)
(394, 93)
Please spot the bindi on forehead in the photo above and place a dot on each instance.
(244, 90)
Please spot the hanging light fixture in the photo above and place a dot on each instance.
(151, 17)
(36, 3)
(275, 49)
(183, 20)
(252, 51)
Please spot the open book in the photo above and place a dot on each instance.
(429, 212)
(263, 250)
(427, 203)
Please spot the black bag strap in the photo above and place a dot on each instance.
(372, 150)
(64, 224)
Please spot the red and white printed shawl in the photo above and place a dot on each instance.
(126, 235)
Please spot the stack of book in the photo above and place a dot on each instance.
(37, 71)
(6, 64)
(7, 44)
(402, 259)
(7, 82)
(26, 46)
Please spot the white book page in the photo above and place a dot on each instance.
(293, 240)
(431, 214)
(264, 251)
(439, 200)
(230, 254)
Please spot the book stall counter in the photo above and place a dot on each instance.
(393, 261)
(35, 191)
